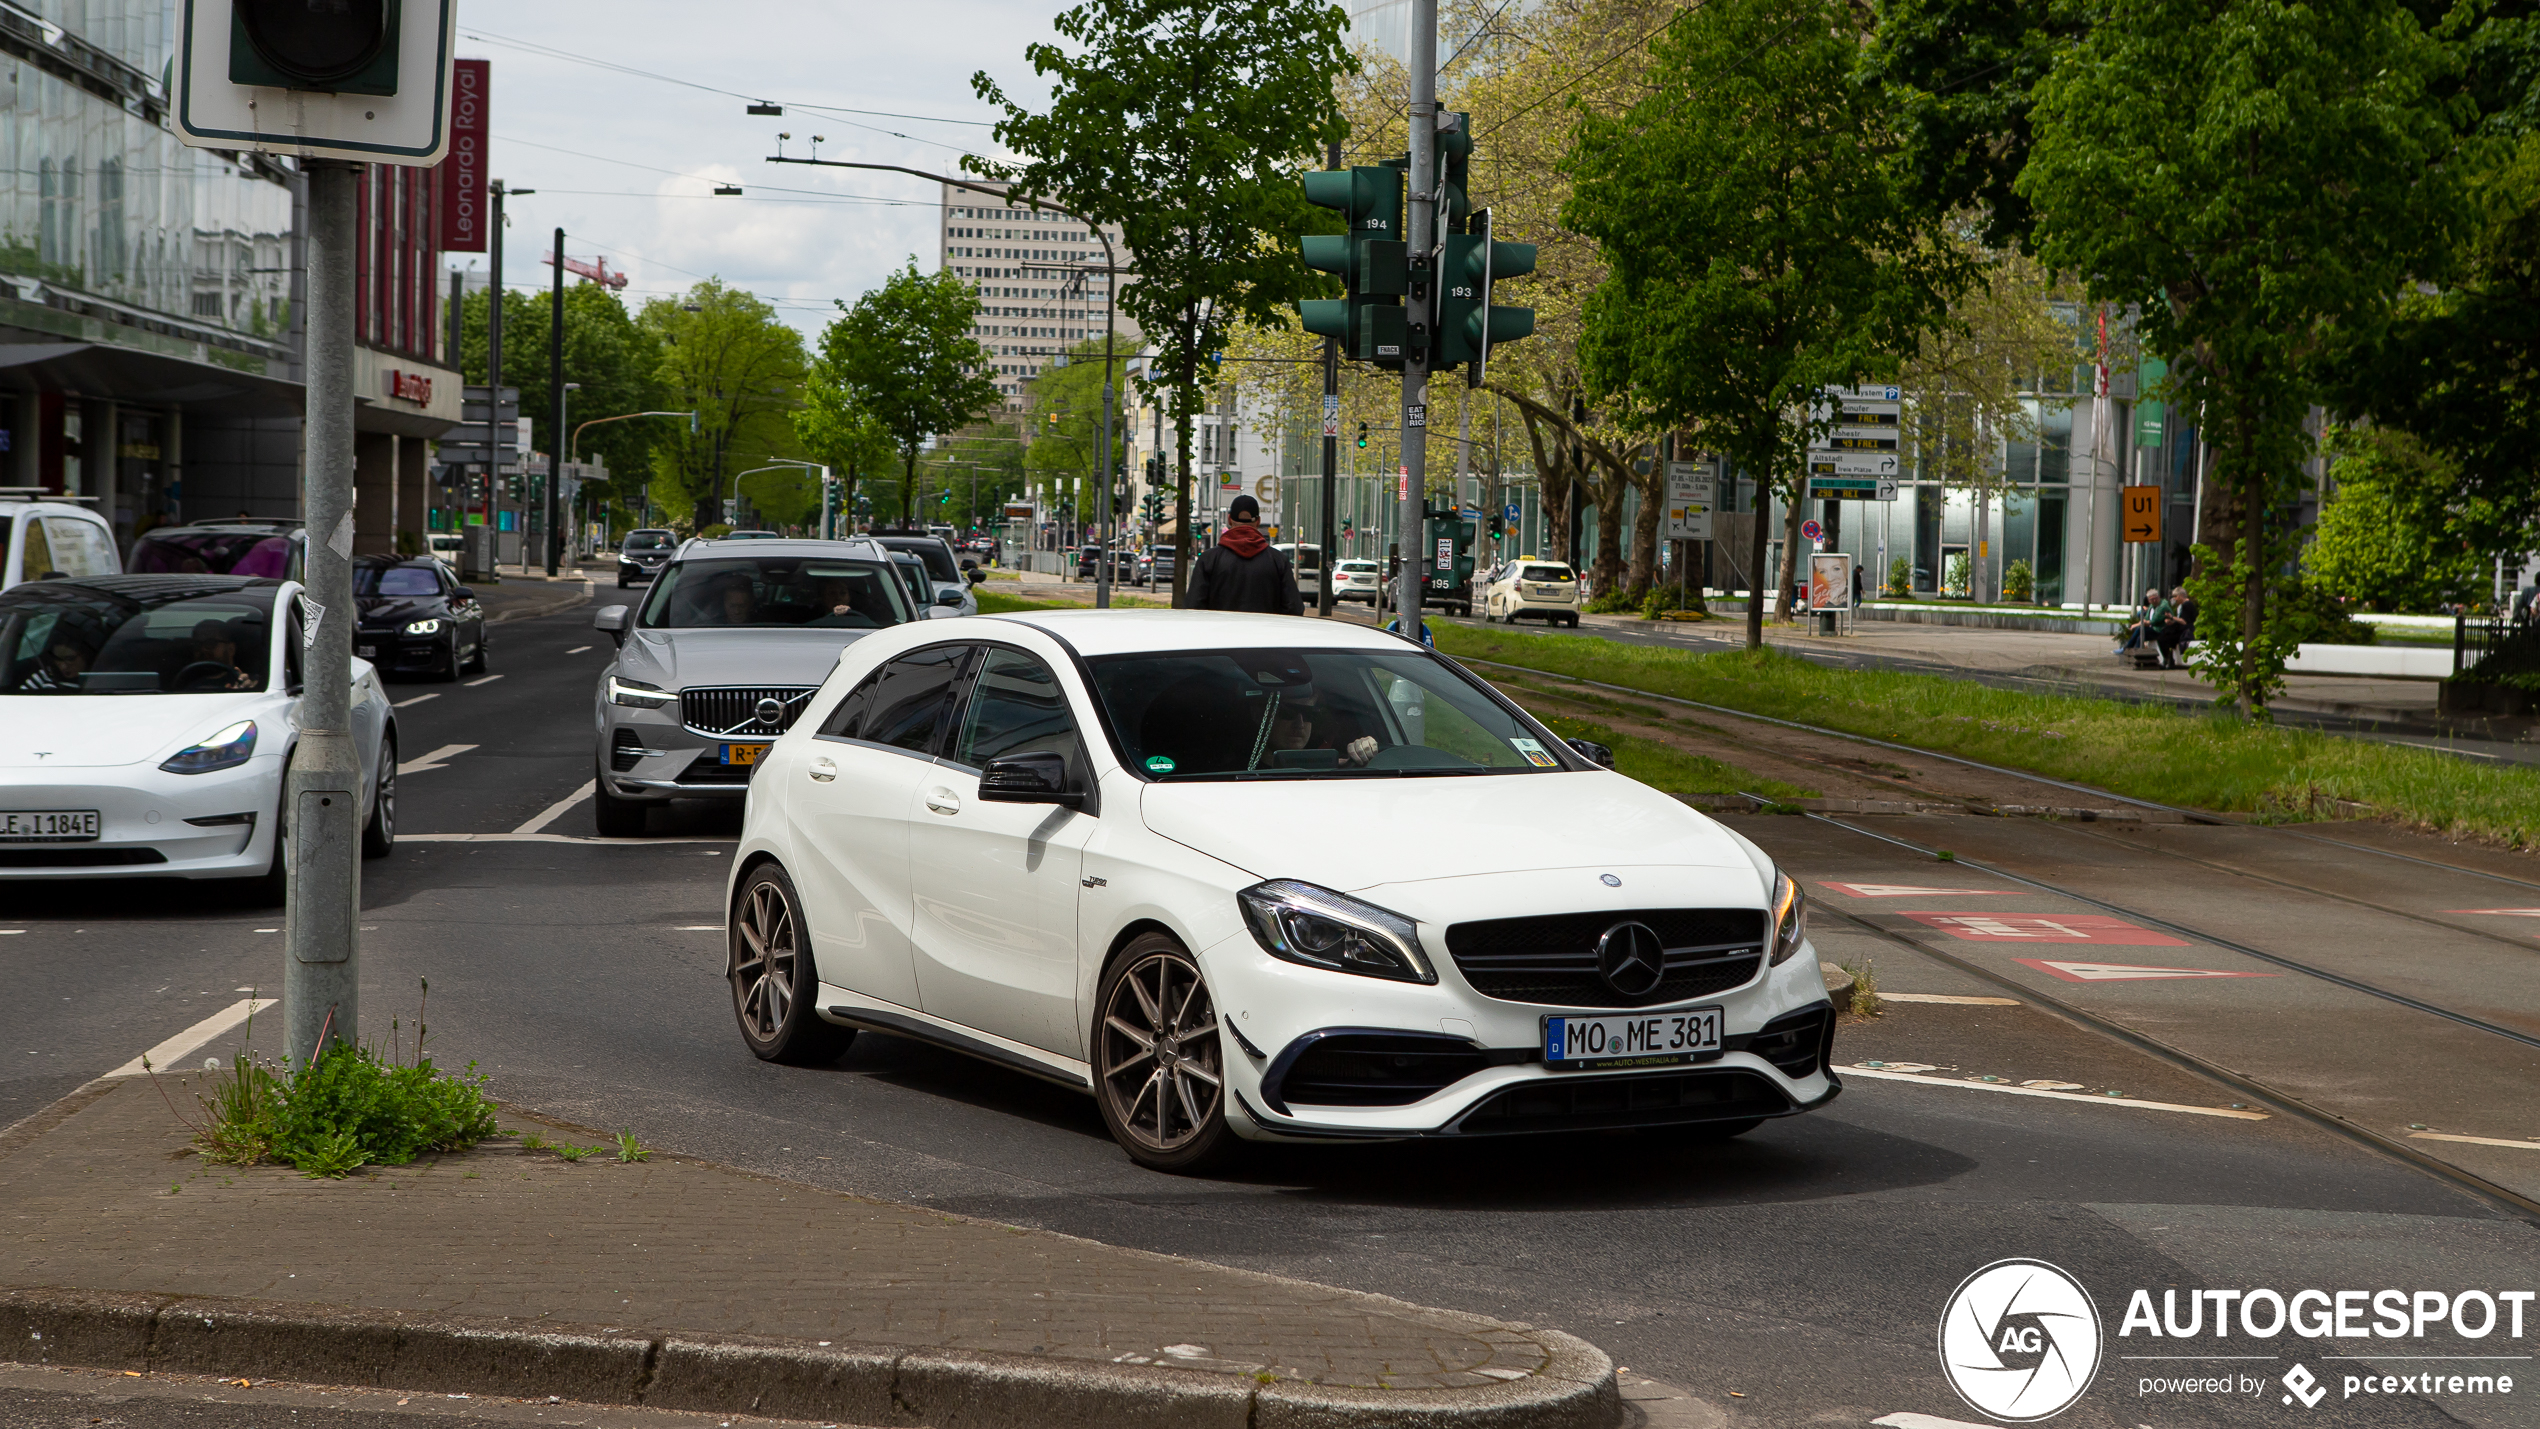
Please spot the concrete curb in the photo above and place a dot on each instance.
(862, 1384)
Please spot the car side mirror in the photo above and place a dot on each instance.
(1028, 779)
(466, 594)
(948, 597)
(1595, 753)
(611, 620)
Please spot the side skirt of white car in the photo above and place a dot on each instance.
(854, 1009)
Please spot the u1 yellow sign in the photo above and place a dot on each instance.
(2142, 506)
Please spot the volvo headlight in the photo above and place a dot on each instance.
(638, 694)
(228, 749)
(1301, 923)
(1790, 917)
(423, 627)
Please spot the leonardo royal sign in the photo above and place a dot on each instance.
(464, 210)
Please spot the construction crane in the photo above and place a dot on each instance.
(596, 271)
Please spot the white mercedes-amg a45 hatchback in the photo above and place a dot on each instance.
(1244, 876)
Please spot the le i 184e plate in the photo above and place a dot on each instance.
(1639, 1039)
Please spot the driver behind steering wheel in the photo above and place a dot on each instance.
(211, 661)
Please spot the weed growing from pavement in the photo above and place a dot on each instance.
(1865, 988)
(348, 1108)
(2202, 761)
(571, 1152)
(631, 1150)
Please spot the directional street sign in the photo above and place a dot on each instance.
(1886, 492)
(1822, 463)
(2142, 514)
(1692, 487)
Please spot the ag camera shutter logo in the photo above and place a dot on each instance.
(2020, 1340)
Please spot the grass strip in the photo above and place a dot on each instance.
(1670, 770)
(997, 602)
(2211, 761)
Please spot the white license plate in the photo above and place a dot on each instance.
(48, 825)
(1641, 1039)
(367, 652)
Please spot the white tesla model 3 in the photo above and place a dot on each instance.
(145, 724)
(1241, 876)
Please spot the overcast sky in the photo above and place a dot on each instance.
(645, 153)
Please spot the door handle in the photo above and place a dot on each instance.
(943, 801)
(824, 769)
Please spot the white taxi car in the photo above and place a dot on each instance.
(1092, 847)
(1530, 586)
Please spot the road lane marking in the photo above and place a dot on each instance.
(1908, 890)
(486, 680)
(698, 928)
(2473, 1140)
(556, 810)
(419, 699)
(433, 760)
(2123, 972)
(2065, 928)
(2056, 1096)
(404, 837)
(163, 1056)
(578, 649)
(1949, 998)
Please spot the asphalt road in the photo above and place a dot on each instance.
(1798, 1274)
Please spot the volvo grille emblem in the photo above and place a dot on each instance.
(770, 711)
(1631, 958)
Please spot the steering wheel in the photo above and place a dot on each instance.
(212, 670)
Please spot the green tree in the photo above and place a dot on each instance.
(1185, 122)
(1788, 259)
(2255, 174)
(616, 360)
(971, 476)
(1067, 426)
(2399, 533)
(725, 354)
(1964, 75)
(903, 359)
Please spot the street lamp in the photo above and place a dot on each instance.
(574, 447)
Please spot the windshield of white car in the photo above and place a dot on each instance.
(72, 640)
(1253, 714)
(1545, 573)
(775, 592)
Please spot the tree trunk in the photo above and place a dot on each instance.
(1610, 538)
(1787, 577)
(1653, 500)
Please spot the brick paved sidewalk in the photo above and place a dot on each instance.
(108, 1198)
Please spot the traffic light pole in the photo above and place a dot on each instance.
(1421, 238)
(555, 390)
(1327, 601)
(319, 833)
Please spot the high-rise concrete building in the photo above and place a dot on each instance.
(1040, 280)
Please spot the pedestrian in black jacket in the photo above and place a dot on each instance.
(1242, 571)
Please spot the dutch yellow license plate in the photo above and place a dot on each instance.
(743, 753)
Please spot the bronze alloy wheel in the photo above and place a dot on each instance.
(773, 980)
(1157, 1054)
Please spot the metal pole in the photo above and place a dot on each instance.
(494, 386)
(1327, 602)
(1421, 304)
(321, 975)
(555, 389)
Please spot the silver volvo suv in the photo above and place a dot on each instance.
(728, 645)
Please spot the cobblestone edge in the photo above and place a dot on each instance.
(860, 1384)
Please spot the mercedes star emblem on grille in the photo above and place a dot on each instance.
(770, 711)
(1631, 958)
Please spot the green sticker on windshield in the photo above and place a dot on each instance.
(1159, 764)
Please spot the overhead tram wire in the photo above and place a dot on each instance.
(551, 52)
(706, 179)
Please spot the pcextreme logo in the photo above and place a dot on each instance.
(2020, 1340)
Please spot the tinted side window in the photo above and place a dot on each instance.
(1017, 706)
(916, 691)
(847, 720)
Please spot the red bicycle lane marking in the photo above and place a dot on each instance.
(2097, 928)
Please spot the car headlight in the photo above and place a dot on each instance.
(1301, 923)
(1790, 917)
(423, 627)
(637, 694)
(226, 750)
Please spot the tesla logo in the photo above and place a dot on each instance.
(1631, 958)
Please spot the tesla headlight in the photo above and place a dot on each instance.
(1790, 917)
(423, 627)
(637, 694)
(1302, 923)
(228, 749)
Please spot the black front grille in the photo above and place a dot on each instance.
(1551, 958)
(731, 711)
(1375, 1069)
(1796, 1043)
(78, 857)
(1602, 1103)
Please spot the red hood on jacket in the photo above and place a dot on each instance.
(1245, 541)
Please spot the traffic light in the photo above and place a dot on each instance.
(1362, 436)
(1455, 160)
(344, 47)
(1468, 326)
(1370, 260)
